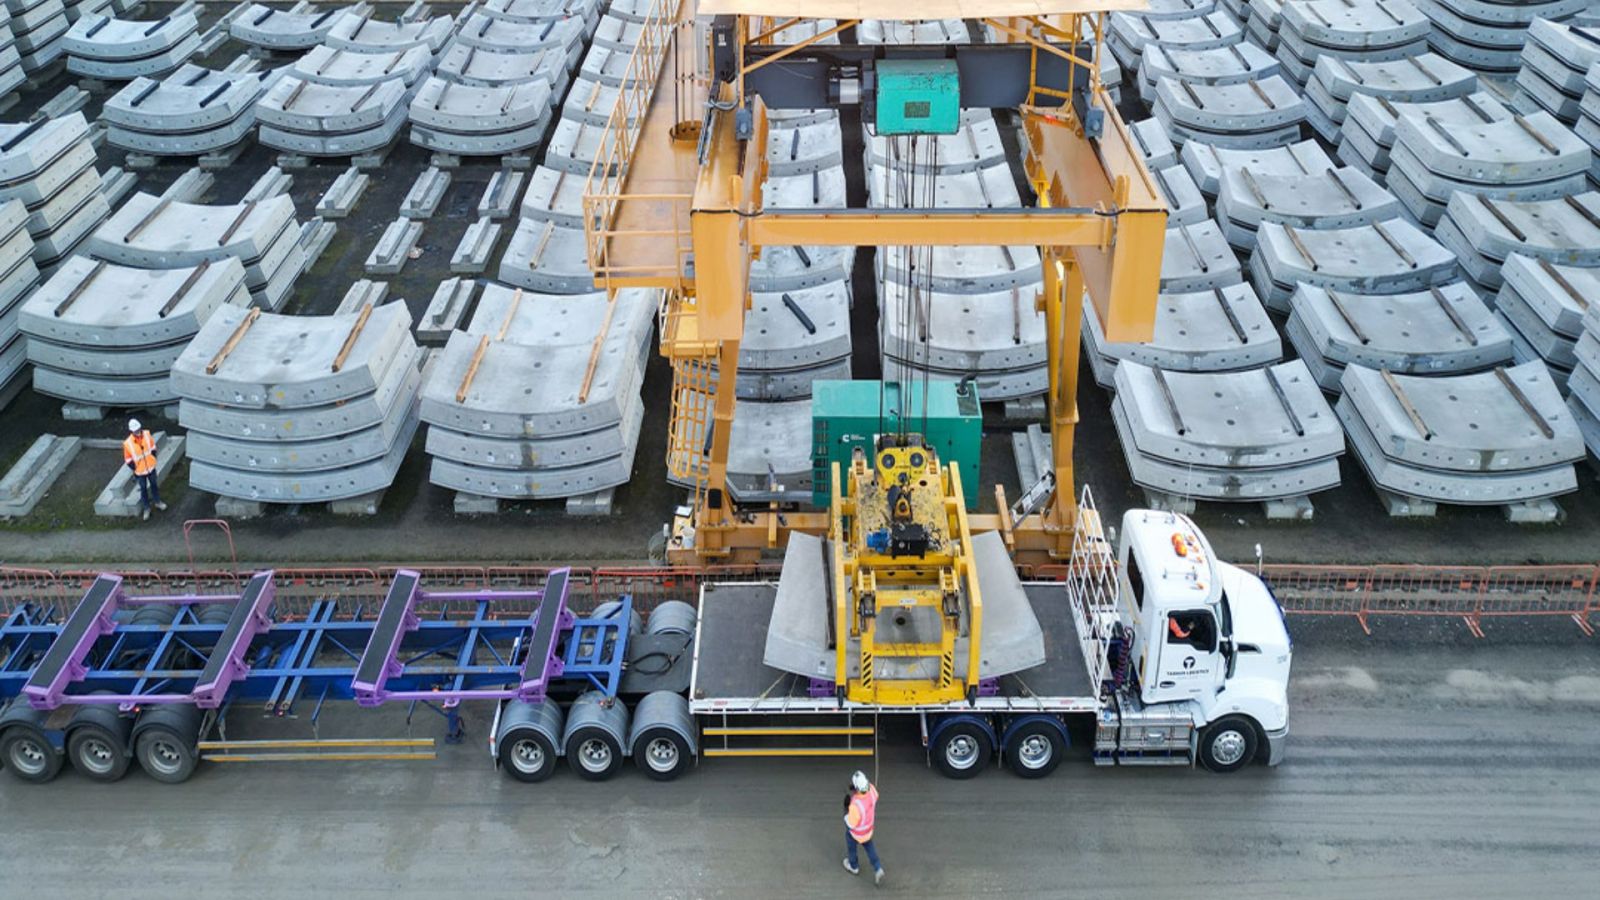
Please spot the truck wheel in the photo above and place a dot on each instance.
(29, 754)
(527, 756)
(97, 754)
(661, 753)
(1034, 750)
(961, 750)
(593, 753)
(164, 756)
(1227, 744)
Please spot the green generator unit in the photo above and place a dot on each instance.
(917, 96)
(845, 415)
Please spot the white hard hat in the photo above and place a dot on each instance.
(859, 782)
(133, 425)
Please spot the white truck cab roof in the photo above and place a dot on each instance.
(1175, 566)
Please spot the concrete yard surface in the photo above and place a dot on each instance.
(1421, 764)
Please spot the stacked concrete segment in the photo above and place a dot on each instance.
(299, 409)
(367, 34)
(1438, 331)
(1583, 387)
(546, 251)
(193, 111)
(1206, 162)
(1368, 134)
(1488, 35)
(1387, 257)
(18, 276)
(1414, 79)
(1232, 64)
(1543, 304)
(107, 335)
(1220, 330)
(12, 74)
(112, 49)
(1331, 198)
(39, 28)
(49, 164)
(1531, 157)
(539, 397)
(151, 232)
(1248, 115)
(1499, 438)
(466, 110)
(1588, 125)
(341, 101)
(288, 30)
(1555, 61)
(1484, 232)
(1264, 435)
(1131, 32)
(1264, 20)
(1351, 30)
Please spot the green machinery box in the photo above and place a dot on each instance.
(845, 415)
(917, 96)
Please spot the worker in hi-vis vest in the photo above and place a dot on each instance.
(860, 814)
(139, 453)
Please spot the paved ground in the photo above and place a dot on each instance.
(1421, 765)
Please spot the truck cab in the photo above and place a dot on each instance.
(1206, 653)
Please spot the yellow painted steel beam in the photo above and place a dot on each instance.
(316, 744)
(313, 757)
(792, 730)
(936, 228)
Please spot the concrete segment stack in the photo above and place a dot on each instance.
(1530, 157)
(1249, 115)
(1233, 64)
(1488, 35)
(105, 335)
(1387, 257)
(1184, 27)
(1330, 198)
(1543, 305)
(18, 276)
(150, 232)
(112, 49)
(344, 100)
(539, 397)
(1555, 60)
(192, 112)
(1368, 133)
(1498, 438)
(460, 112)
(1266, 18)
(1206, 162)
(1351, 30)
(1415, 79)
(292, 30)
(12, 75)
(299, 409)
(49, 164)
(1588, 126)
(1264, 435)
(1583, 387)
(39, 27)
(1483, 232)
(1220, 330)
(1439, 331)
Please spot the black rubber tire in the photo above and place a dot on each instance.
(164, 756)
(962, 741)
(1234, 738)
(587, 760)
(97, 754)
(667, 759)
(29, 755)
(527, 756)
(215, 613)
(1034, 749)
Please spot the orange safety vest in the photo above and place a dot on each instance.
(863, 814)
(140, 449)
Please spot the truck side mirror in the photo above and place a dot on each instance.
(1229, 653)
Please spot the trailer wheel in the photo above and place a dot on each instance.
(164, 756)
(961, 750)
(29, 754)
(1227, 744)
(1034, 749)
(661, 753)
(594, 753)
(528, 756)
(97, 754)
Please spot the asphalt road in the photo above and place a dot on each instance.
(1454, 769)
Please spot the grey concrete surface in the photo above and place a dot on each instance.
(1450, 769)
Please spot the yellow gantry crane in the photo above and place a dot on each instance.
(674, 202)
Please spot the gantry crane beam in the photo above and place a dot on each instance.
(1099, 225)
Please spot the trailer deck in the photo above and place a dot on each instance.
(729, 676)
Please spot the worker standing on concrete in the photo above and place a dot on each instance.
(861, 812)
(139, 452)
